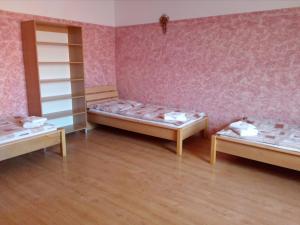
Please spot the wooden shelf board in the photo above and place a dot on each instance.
(60, 80)
(58, 114)
(54, 24)
(62, 114)
(54, 80)
(54, 98)
(44, 23)
(60, 97)
(57, 43)
(51, 43)
(60, 62)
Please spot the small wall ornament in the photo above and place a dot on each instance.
(163, 20)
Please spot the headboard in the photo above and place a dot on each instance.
(100, 93)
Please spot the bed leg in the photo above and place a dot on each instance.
(205, 131)
(179, 142)
(63, 150)
(90, 126)
(213, 152)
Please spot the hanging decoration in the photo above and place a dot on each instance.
(163, 20)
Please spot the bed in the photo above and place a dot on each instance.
(126, 121)
(15, 140)
(276, 143)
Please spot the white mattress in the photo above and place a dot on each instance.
(34, 132)
(258, 142)
(160, 124)
(270, 133)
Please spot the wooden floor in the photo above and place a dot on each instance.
(112, 177)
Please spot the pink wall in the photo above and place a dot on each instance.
(227, 66)
(99, 53)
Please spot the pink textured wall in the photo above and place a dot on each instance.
(99, 56)
(227, 66)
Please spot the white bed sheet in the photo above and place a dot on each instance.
(37, 132)
(161, 124)
(270, 133)
(263, 143)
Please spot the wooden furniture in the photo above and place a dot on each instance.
(255, 151)
(53, 59)
(33, 143)
(101, 93)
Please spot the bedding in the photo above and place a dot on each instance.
(11, 129)
(146, 112)
(271, 133)
(115, 106)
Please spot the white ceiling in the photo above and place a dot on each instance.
(90, 11)
(131, 12)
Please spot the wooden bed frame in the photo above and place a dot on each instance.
(255, 151)
(34, 143)
(102, 93)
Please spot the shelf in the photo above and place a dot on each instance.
(60, 97)
(57, 44)
(62, 114)
(54, 80)
(57, 82)
(60, 62)
(60, 80)
(50, 25)
(58, 114)
(51, 43)
(75, 127)
(53, 62)
(54, 98)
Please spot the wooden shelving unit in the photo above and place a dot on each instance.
(54, 67)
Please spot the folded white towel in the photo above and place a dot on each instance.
(247, 133)
(29, 125)
(244, 129)
(175, 116)
(33, 121)
(202, 114)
